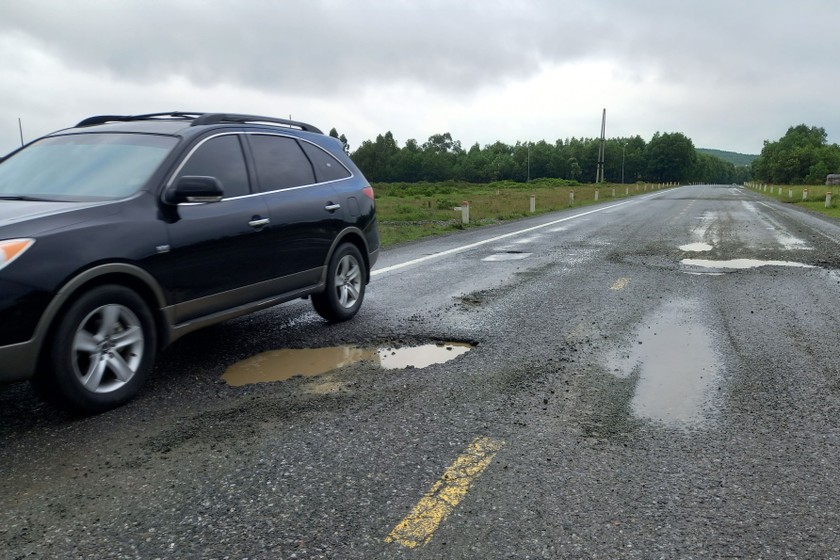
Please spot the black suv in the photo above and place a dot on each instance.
(124, 233)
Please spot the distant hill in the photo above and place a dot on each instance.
(731, 157)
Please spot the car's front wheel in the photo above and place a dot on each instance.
(103, 348)
(346, 280)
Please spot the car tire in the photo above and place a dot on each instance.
(101, 352)
(345, 290)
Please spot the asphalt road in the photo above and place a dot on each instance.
(643, 384)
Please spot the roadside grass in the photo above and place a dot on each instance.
(410, 211)
(793, 194)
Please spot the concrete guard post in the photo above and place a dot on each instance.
(533, 203)
(465, 211)
(828, 199)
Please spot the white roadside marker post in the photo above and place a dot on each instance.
(465, 211)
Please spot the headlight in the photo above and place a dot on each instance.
(10, 249)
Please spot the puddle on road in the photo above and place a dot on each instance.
(279, 365)
(507, 256)
(696, 247)
(739, 264)
(677, 366)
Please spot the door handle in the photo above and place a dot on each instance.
(259, 222)
(332, 207)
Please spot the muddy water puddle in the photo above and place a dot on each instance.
(279, 365)
(677, 368)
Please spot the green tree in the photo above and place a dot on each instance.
(375, 159)
(670, 157)
(574, 169)
(440, 157)
(802, 155)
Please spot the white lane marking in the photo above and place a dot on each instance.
(469, 246)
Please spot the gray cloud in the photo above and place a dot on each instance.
(758, 66)
(304, 45)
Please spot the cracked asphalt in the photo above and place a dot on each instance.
(639, 405)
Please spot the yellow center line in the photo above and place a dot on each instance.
(620, 284)
(419, 526)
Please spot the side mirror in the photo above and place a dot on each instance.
(194, 188)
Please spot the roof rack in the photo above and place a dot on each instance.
(198, 119)
(102, 119)
(218, 118)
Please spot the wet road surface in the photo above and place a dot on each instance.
(651, 378)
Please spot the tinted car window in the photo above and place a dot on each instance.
(327, 168)
(280, 163)
(84, 166)
(222, 158)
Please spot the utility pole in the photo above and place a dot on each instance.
(528, 180)
(623, 155)
(599, 174)
(20, 128)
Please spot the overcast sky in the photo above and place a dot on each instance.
(728, 74)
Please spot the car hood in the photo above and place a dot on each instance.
(15, 211)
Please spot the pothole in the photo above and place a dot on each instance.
(507, 256)
(737, 264)
(280, 365)
(696, 247)
(677, 365)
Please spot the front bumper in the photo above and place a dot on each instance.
(18, 361)
(21, 309)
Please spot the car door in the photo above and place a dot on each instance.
(305, 215)
(218, 250)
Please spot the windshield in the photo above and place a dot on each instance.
(83, 166)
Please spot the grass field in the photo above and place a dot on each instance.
(409, 211)
(793, 194)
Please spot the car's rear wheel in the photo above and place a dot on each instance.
(103, 348)
(346, 280)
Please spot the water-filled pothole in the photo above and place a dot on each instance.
(279, 365)
(507, 256)
(677, 365)
(696, 247)
(739, 264)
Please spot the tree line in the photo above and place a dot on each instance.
(667, 157)
(802, 156)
